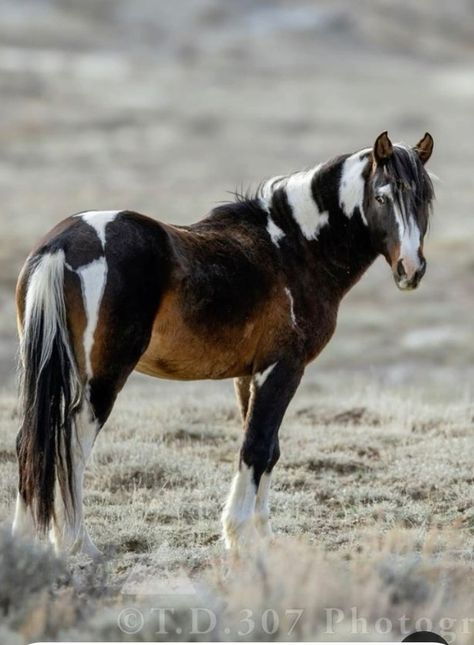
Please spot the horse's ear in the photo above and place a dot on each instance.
(383, 148)
(424, 147)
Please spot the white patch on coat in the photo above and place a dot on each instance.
(262, 509)
(93, 279)
(292, 306)
(260, 377)
(265, 193)
(352, 185)
(240, 507)
(305, 210)
(99, 220)
(274, 231)
(300, 198)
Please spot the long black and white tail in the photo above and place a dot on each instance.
(50, 393)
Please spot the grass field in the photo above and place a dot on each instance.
(372, 507)
(163, 108)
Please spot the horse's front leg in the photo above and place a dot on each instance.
(270, 393)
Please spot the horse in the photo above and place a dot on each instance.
(251, 292)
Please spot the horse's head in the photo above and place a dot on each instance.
(399, 198)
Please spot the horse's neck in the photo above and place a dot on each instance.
(327, 203)
(342, 254)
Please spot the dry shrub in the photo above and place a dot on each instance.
(291, 590)
(391, 577)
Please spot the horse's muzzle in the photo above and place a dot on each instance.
(407, 280)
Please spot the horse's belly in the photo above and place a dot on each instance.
(177, 351)
(192, 359)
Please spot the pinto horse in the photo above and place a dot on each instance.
(250, 293)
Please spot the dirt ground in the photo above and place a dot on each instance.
(164, 108)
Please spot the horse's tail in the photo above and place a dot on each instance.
(51, 392)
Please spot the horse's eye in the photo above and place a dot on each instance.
(380, 199)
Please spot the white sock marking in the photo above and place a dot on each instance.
(351, 188)
(93, 278)
(262, 509)
(240, 506)
(99, 220)
(274, 231)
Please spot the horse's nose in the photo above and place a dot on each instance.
(401, 269)
(408, 274)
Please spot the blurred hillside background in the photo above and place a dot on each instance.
(163, 107)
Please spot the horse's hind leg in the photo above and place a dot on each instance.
(242, 390)
(68, 533)
(110, 360)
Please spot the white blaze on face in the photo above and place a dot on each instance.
(352, 184)
(408, 234)
(299, 193)
(410, 240)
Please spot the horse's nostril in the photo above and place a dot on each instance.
(401, 269)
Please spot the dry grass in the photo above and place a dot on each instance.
(371, 505)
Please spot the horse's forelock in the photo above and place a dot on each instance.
(410, 182)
